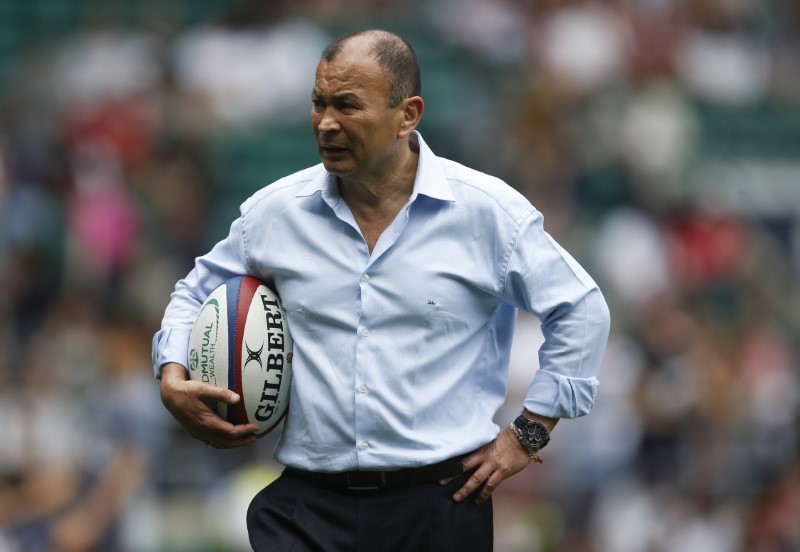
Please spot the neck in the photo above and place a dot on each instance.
(376, 202)
(383, 195)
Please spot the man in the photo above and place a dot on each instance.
(401, 274)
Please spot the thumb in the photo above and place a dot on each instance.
(220, 394)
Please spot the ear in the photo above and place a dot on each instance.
(412, 109)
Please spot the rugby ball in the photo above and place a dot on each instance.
(241, 341)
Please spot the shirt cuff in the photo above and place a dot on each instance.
(170, 345)
(557, 396)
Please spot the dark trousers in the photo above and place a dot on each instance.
(295, 515)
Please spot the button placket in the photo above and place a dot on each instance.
(364, 414)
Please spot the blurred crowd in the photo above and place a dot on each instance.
(660, 138)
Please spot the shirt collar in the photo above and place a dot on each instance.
(323, 182)
(429, 181)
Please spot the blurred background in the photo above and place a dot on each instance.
(660, 138)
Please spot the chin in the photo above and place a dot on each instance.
(338, 169)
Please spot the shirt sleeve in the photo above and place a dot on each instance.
(542, 278)
(227, 259)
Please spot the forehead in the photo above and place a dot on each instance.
(351, 72)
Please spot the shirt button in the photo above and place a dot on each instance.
(364, 445)
(365, 332)
(362, 389)
(365, 277)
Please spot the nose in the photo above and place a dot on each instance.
(326, 121)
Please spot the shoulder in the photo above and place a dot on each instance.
(281, 193)
(478, 190)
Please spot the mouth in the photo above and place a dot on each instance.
(331, 150)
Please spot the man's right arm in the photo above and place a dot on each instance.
(191, 402)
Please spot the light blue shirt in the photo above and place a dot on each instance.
(401, 356)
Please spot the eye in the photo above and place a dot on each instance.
(347, 107)
(318, 104)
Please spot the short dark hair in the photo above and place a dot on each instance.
(394, 55)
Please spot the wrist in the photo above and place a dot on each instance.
(172, 371)
(172, 375)
(549, 423)
(531, 434)
(512, 435)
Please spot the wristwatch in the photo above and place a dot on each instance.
(532, 435)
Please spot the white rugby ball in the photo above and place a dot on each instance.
(241, 341)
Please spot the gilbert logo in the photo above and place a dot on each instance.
(254, 355)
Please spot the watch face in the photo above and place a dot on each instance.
(533, 434)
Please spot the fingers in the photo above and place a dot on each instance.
(218, 433)
(192, 404)
(228, 443)
(484, 479)
(223, 440)
(217, 394)
(451, 479)
(488, 487)
(214, 431)
(492, 464)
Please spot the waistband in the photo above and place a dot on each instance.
(369, 480)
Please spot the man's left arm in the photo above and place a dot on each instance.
(544, 279)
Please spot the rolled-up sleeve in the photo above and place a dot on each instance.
(566, 383)
(170, 345)
(545, 280)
